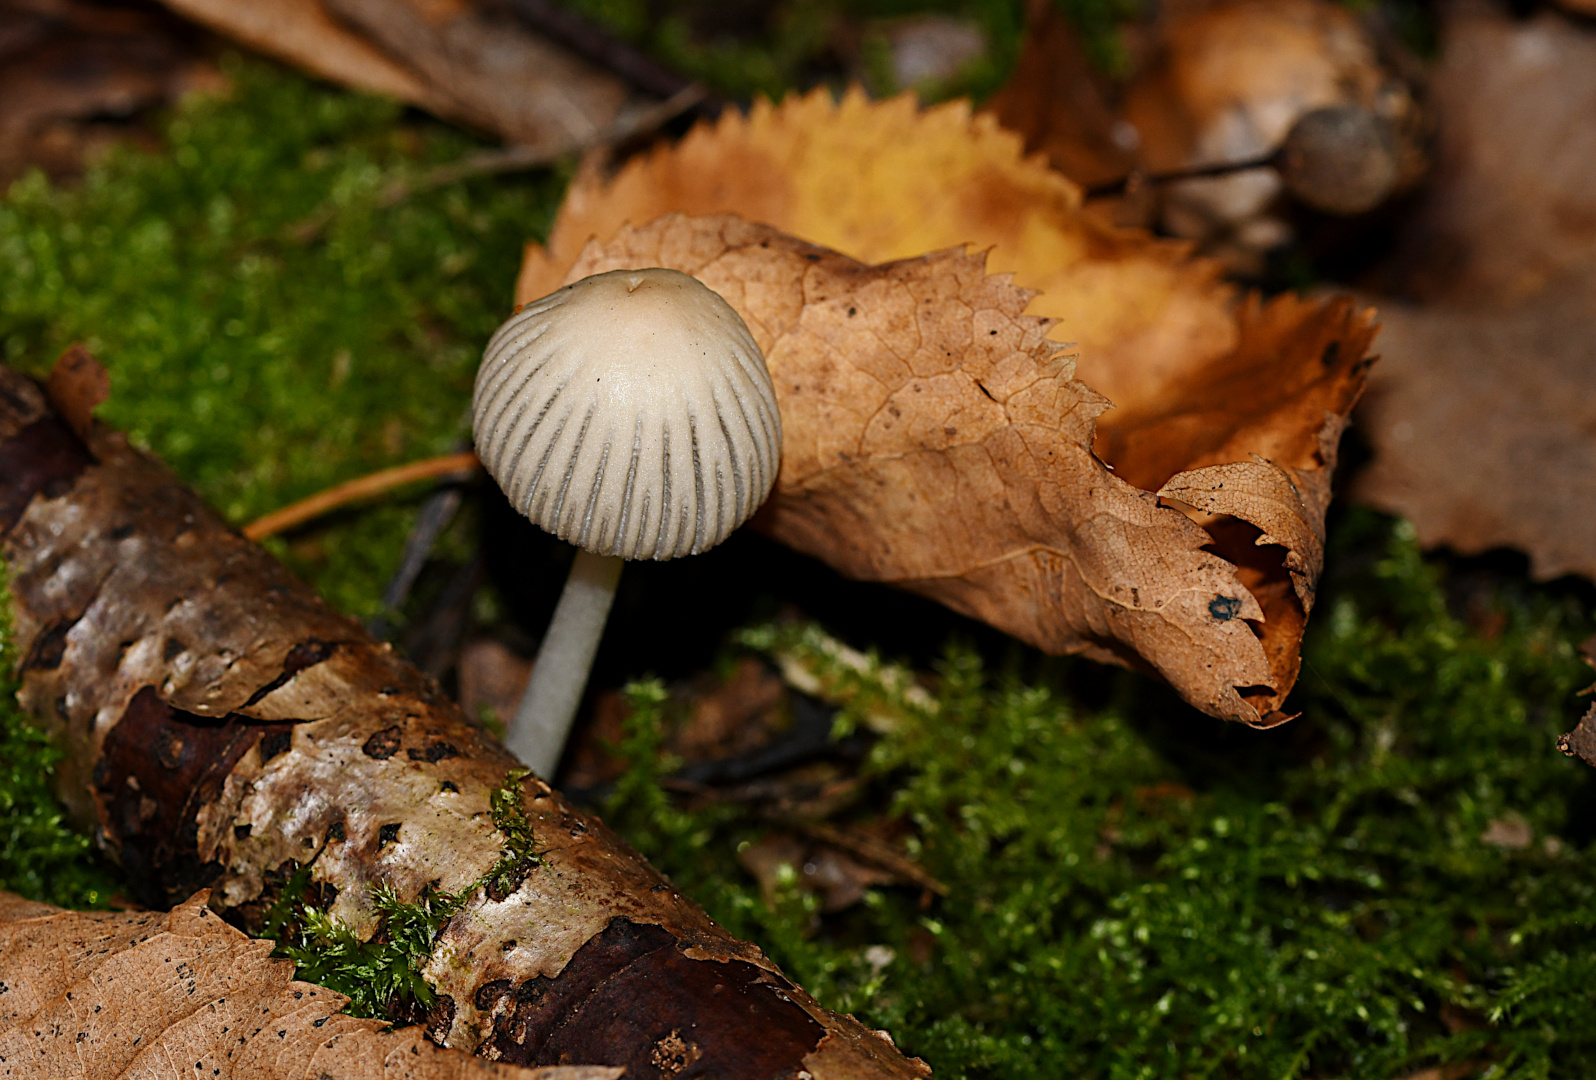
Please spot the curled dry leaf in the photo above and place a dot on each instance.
(1482, 419)
(224, 729)
(160, 994)
(936, 439)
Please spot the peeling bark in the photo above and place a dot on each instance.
(225, 727)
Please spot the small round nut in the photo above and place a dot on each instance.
(1341, 160)
(629, 413)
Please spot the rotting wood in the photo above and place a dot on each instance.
(224, 727)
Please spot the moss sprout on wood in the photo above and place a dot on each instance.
(381, 975)
(42, 856)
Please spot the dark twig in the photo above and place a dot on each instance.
(519, 158)
(1134, 181)
(436, 513)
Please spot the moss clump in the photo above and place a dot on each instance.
(261, 360)
(519, 856)
(381, 975)
(1402, 877)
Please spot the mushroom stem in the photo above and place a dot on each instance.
(543, 719)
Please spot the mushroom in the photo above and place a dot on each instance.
(630, 414)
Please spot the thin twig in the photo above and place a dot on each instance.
(435, 515)
(518, 158)
(362, 487)
(1132, 181)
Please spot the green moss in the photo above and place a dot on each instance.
(260, 364)
(519, 856)
(381, 974)
(41, 856)
(1132, 900)
(796, 43)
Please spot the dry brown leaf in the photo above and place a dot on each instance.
(984, 491)
(1482, 418)
(1483, 426)
(455, 58)
(497, 75)
(73, 75)
(779, 860)
(91, 995)
(1512, 207)
(301, 32)
(933, 438)
(1060, 103)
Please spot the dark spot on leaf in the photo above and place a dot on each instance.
(1224, 608)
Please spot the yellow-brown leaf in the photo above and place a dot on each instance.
(933, 439)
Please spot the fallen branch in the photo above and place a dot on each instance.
(226, 729)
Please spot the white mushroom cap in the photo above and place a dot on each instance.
(630, 414)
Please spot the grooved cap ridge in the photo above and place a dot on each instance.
(629, 413)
